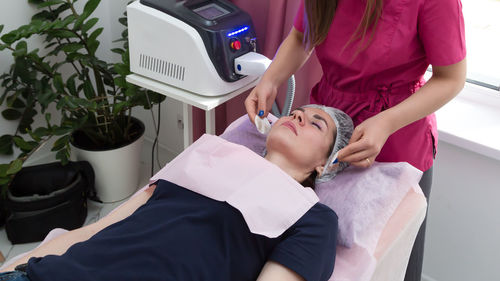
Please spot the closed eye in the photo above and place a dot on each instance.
(317, 125)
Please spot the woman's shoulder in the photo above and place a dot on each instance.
(319, 216)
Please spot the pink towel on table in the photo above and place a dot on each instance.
(269, 199)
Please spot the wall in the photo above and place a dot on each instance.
(13, 14)
(463, 229)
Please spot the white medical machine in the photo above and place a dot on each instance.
(205, 47)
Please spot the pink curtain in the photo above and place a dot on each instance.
(272, 21)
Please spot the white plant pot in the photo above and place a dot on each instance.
(116, 171)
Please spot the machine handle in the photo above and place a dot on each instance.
(251, 64)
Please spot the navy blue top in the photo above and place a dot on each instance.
(181, 235)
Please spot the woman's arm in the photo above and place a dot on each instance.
(273, 271)
(369, 137)
(60, 244)
(290, 57)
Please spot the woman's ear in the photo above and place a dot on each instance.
(319, 169)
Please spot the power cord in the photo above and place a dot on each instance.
(155, 142)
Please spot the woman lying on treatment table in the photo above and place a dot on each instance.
(169, 232)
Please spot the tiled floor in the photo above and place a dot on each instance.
(95, 212)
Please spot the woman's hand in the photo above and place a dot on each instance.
(367, 140)
(261, 98)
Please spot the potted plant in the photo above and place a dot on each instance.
(92, 96)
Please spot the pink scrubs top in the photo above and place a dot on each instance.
(411, 34)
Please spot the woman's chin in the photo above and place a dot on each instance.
(280, 143)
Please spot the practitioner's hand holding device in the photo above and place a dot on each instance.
(260, 100)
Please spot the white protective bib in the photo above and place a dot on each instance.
(269, 199)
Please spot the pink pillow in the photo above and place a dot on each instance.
(364, 199)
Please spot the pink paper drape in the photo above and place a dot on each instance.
(272, 21)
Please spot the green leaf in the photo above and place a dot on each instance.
(118, 51)
(88, 89)
(9, 38)
(75, 57)
(22, 144)
(62, 33)
(61, 143)
(40, 132)
(4, 181)
(93, 45)
(87, 11)
(96, 33)
(59, 84)
(120, 82)
(15, 166)
(59, 131)
(89, 24)
(119, 107)
(69, 19)
(12, 98)
(27, 119)
(90, 7)
(71, 85)
(72, 47)
(1, 28)
(44, 15)
(121, 69)
(33, 136)
(49, 3)
(18, 103)
(3, 170)
(35, 26)
(47, 118)
(21, 49)
(6, 145)
(69, 102)
(11, 114)
(21, 69)
(123, 21)
(63, 155)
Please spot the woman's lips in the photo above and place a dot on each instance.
(291, 126)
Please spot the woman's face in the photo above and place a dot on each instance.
(304, 137)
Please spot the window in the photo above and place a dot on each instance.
(482, 31)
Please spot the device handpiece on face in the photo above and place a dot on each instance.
(263, 125)
(335, 158)
(332, 165)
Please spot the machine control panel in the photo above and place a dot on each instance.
(226, 30)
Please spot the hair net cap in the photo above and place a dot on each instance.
(344, 131)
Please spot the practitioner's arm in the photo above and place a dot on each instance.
(273, 271)
(60, 244)
(290, 57)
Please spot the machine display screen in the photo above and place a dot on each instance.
(211, 11)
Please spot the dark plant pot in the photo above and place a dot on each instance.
(116, 169)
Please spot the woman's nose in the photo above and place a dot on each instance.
(299, 116)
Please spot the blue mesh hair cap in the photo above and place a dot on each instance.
(344, 131)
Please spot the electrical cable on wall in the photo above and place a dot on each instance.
(157, 130)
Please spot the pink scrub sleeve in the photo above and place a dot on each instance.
(298, 23)
(441, 30)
